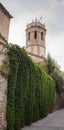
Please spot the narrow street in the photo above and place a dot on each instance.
(54, 121)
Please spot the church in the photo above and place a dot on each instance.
(35, 35)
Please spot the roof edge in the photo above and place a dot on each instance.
(5, 11)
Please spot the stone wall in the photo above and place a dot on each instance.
(59, 101)
(4, 24)
(35, 58)
(3, 101)
(3, 93)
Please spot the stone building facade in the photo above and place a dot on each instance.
(35, 41)
(4, 30)
(5, 17)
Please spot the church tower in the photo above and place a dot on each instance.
(35, 41)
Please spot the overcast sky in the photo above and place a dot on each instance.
(52, 13)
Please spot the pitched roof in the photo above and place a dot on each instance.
(5, 11)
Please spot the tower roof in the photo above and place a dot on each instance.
(5, 11)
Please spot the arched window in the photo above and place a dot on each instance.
(28, 36)
(42, 36)
(35, 35)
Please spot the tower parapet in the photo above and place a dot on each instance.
(36, 24)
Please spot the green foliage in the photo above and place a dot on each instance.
(43, 65)
(50, 64)
(3, 38)
(4, 42)
(55, 73)
(59, 81)
(31, 91)
(5, 70)
(53, 69)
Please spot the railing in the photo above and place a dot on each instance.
(36, 24)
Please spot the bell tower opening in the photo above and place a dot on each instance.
(42, 36)
(35, 35)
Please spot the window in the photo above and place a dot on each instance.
(35, 34)
(29, 36)
(42, 36)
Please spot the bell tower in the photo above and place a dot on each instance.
(35, 40)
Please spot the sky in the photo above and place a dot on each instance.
(52, 13)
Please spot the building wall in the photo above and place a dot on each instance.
(3, 101)
(37, 50)
(3, 96)
(36, 59)
(37, 41)
(4, 24)
(59, 100)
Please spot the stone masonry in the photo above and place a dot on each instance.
(4, 21)
(3, 100)
(5, 17)
(35, 41)
(3, 97)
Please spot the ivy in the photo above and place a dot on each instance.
(30, 93)
(3, 38)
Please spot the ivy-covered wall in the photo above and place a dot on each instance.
(30, 92)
